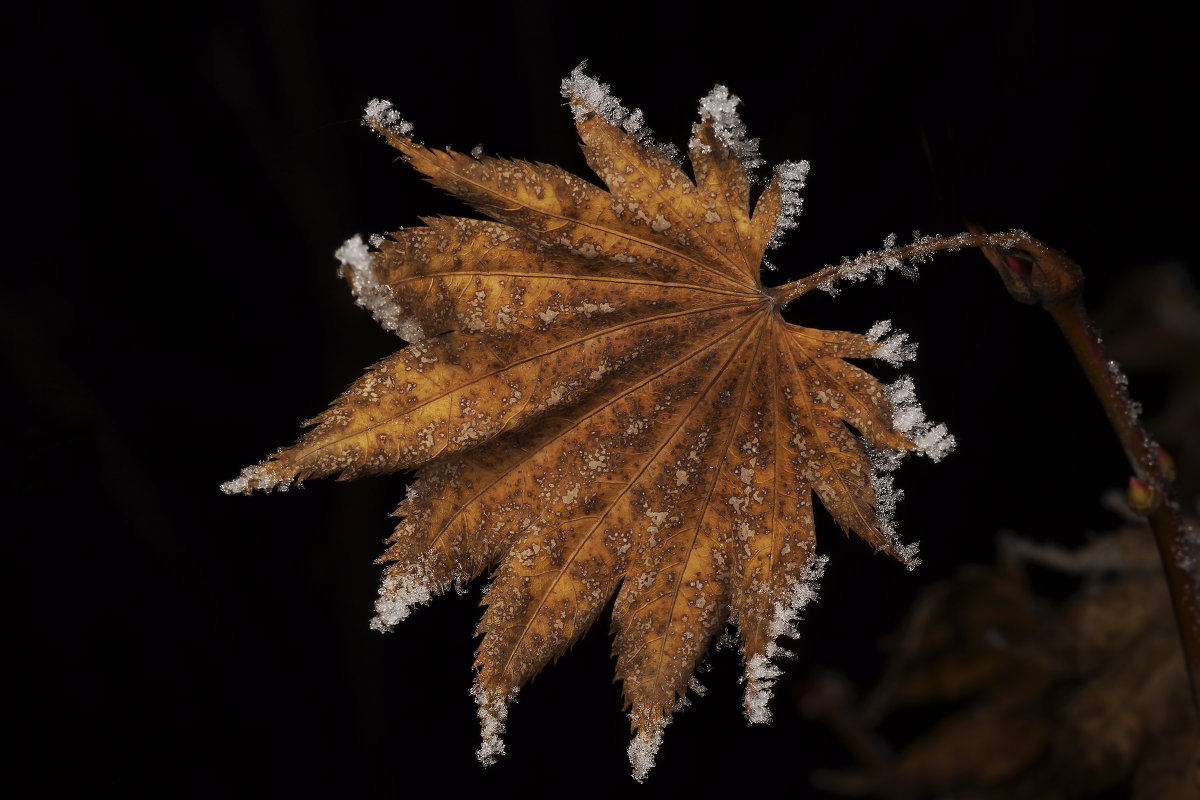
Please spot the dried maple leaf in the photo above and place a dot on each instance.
(600, 396)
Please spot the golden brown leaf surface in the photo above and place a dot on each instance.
(603, 401)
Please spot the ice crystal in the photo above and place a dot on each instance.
(492, 712)
(369, 293)
(644, 747)
(792, 175)
(721, 107)
(887, 497)
(255, 477)
(932, 440)
(382, 112)
(588, 95)
(894, 347)
(872, 264)
(399, 594)
(761, 671)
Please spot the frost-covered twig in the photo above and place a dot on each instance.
(876, 263)
(1034, 273)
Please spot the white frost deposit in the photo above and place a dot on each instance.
(492, 712)
(256, 477)
(761, 672)
(932, 439)
(874, 264)
(587, 94)
(792, 175)
(382, 113)
(721, 107)
(398, 595)
(894, 347)
(644, 747)
(369, 293)
(887, 497)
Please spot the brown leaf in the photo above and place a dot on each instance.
(1051, 700)
(600, 398)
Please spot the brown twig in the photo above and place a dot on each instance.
(1034, 273)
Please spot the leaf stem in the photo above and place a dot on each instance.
(782, 295)
(1152, 490)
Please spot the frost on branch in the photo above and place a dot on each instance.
(874, 264)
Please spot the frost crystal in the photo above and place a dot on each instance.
(887, 496)
(875, 264)
(255, 477)
(586, 94)
(398, 595)
(695, 686)
(492, 714)
(1122, 382)
(644, 747)
(760, 678)
(894, 349)
(792, 175)
(932, 440)
(382, 113)
(372, 295)
(761, 673)
(721, 107)
(1186, 548)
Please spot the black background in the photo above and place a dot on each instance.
(171, 312)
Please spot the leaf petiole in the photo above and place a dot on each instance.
(1014, 243)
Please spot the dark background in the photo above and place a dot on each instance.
(171, 312)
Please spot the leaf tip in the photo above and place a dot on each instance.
(265, 477)
(761, 672)
(760, 677)
(719, 108)
(791, 177)
(399, 594)
(382, 116)
(645, 744)
(893, 345)
(492, 712)
(932, 440)
(588, 96)
(358, 268)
